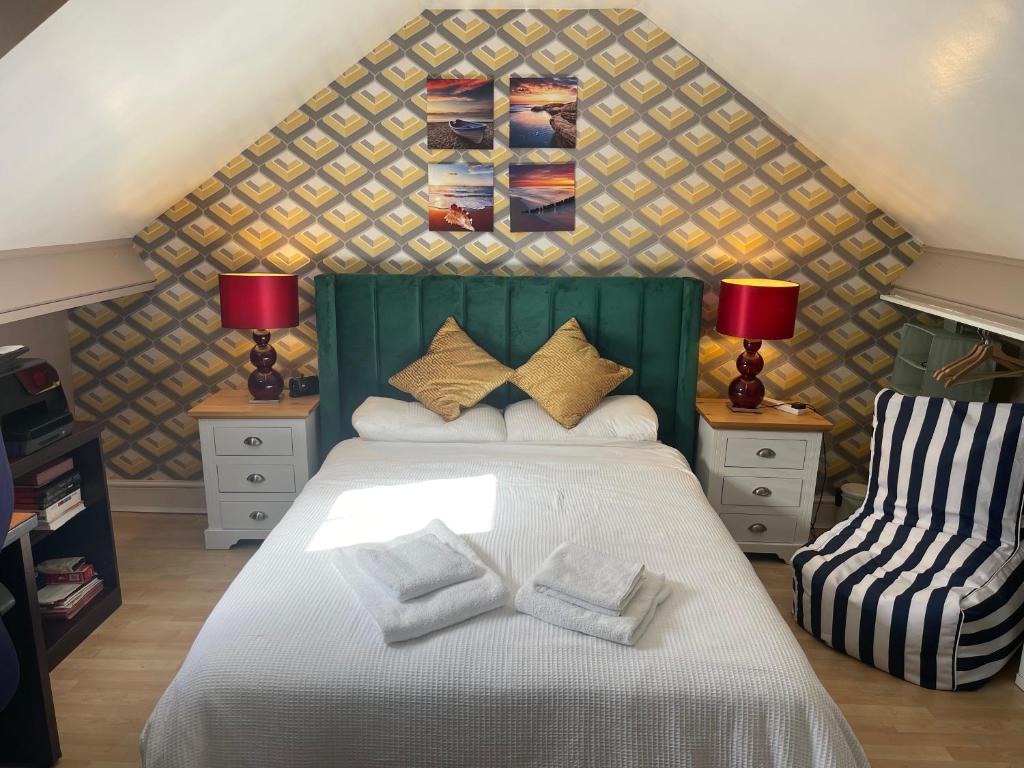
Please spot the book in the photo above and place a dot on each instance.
(73, 501)
(49, 493)
(81, 575)
(72, 603)
(57, 595)
(53, 524)
(47, 472)
(60, 564)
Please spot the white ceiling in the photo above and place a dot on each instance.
(114, 109)
(918, 103)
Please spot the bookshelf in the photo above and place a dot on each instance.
(28, 729)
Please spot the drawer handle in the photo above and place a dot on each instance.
(256, 477)
(252, 441)
(258, 515)
(757, 528)
(766, 453)
(762, 491)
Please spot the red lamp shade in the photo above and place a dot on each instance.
(259, 300)
(757, 309)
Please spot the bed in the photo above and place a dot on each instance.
(289, 671)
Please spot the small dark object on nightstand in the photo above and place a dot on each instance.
(300, 386)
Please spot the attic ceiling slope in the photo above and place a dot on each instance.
(918, 103)
(116, 108)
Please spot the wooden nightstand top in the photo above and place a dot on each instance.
(719, 416)
(234, 404)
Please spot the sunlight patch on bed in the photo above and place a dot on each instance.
(465, 504)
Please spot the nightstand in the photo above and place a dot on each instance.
(759, 472)
(256, 458)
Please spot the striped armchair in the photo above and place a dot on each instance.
(926, 580)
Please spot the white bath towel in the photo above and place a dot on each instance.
(625, 629)
(416, 566)
(437, 610)
(590, 579)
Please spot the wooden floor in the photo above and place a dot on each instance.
(106, 689)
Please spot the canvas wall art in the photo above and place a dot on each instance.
(461, 197)
(542, 197)
(460, 113)
(542, 112)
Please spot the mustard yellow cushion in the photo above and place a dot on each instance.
(567, 376)
(454, 374)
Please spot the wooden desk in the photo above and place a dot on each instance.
(22, 524)
(28, 727)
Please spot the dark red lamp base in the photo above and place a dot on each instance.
(746, 390)
(265, 383)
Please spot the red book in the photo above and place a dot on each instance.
(47, 472)
(80, 575)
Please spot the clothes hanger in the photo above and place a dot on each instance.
(1007, 361)
(986, 375)
(968, 362)
(959, 371)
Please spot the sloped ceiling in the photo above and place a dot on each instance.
(115, 108)
(919, 103)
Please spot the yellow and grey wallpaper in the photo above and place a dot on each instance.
(677, 174)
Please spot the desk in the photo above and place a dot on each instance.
(22, 524)
(28, 728)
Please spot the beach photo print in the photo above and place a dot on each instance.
(460, 113)
(543, 112)
(542, 197)
(461, 197)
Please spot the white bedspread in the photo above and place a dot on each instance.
(289, 671)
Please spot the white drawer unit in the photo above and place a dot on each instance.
(253, 441)
(257, 514)
(769, 453)
(256, 477)
(771, 529)
(759, 472)
(256, 459)
(745, 491)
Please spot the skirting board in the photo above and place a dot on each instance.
(169, 496)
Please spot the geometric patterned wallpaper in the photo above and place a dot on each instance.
(677, 174)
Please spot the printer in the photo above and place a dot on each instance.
(33, 408)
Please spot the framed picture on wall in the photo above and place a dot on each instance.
(542, 198)
(460, 113)
(461, 197)
(542, 112)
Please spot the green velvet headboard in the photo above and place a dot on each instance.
(371, 326)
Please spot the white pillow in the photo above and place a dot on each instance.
(382, 418)
(618, 417)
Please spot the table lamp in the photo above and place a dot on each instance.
(260, 301)
(754, 309)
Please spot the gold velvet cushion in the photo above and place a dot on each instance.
(568, 377)
(454, 374)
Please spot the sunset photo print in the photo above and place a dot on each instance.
(542, 112)
(460, 197)
(542, 197)
(460, 113)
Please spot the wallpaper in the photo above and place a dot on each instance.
(677, 174)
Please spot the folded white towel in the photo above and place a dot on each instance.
(625, 629)
(590, 579)
(416, 566)
(437, 610)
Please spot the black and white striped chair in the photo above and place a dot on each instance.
(926, 580)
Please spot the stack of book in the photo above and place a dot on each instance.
(53, 492)
(70, 585)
